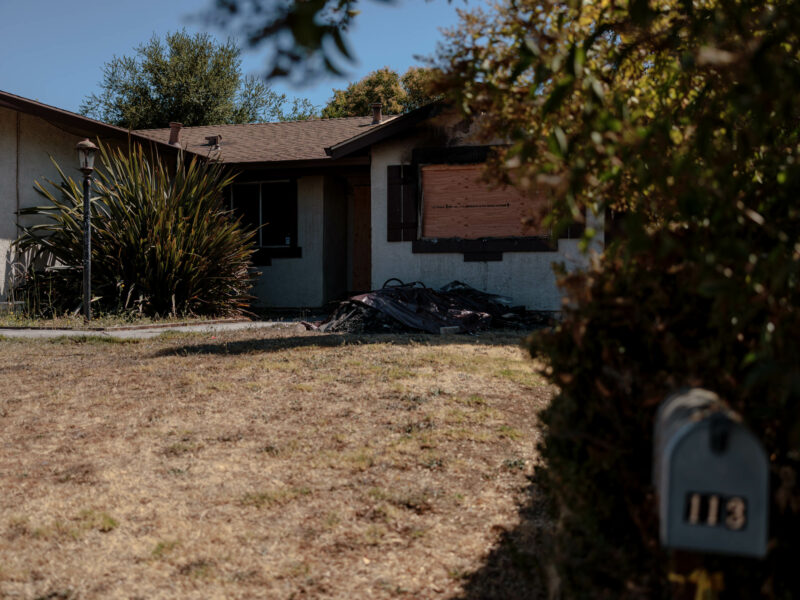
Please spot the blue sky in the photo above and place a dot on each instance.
(54, 50)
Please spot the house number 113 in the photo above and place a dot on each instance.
(713, 510)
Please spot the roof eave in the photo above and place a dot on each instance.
(308, 162)
(75, 122)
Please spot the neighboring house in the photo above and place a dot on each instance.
(347, 204)
(31, 132)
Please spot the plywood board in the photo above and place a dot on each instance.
(457, 204)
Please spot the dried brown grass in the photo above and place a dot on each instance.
(262, 464)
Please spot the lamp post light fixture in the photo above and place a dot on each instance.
(86, 150)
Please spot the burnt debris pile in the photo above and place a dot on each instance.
(412, 307)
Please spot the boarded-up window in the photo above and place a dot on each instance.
(457, 204)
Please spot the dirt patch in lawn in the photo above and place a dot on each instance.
(269, 464)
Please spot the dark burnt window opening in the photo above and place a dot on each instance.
(270, 207)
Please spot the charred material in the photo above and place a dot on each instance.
(413, 307)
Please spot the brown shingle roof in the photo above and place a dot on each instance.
(269, 142)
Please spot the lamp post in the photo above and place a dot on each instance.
(86, 150)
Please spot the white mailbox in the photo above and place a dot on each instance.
(712, 477)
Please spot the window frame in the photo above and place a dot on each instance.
(263, 255)
(473, 250)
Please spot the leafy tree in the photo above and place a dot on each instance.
(418, 84)
(162, 240)
(397, 94)
(299, 109)
(188, 78)
(682, 118)
(382, 85)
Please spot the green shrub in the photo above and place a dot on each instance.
(162, 240)
(684, 115)
(635, 330)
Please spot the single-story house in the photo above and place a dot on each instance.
(344, 204)
(347, 204)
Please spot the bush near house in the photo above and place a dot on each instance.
(684, 115)
(162, 240)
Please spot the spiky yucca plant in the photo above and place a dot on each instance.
(161, 237)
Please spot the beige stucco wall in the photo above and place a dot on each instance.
(8, 187)
(27, 143)
(298, 282)
(527, 277)
(334, 260)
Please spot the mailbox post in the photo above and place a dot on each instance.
(712, 477)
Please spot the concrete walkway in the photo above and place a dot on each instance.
(144, 333)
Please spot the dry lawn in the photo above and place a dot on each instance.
(268, 464)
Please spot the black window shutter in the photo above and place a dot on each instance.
(409, 203)
(401, 203)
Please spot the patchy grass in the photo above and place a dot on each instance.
(66, 340)
(76, 321)
(267, 464)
